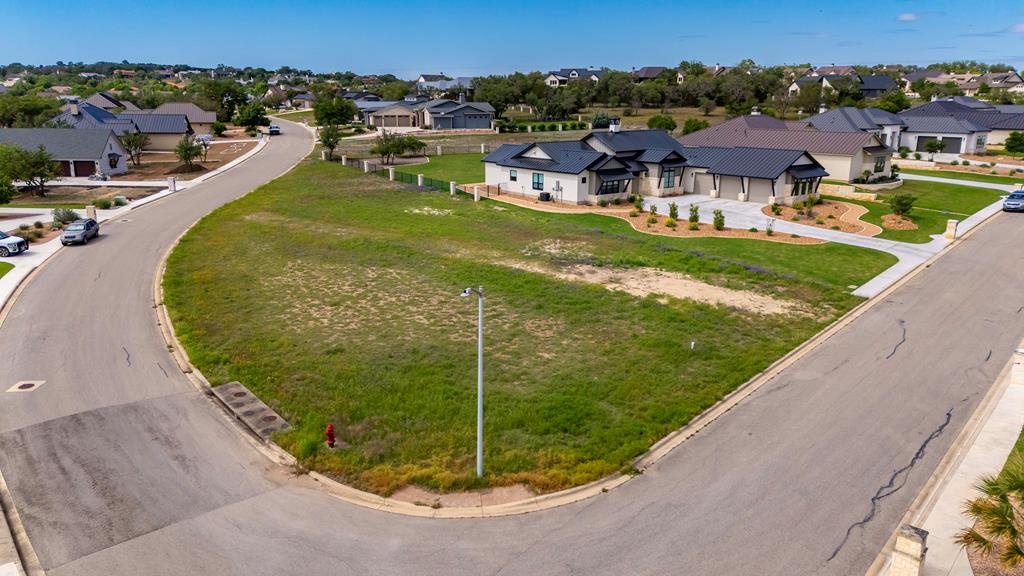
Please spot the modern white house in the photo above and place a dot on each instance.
(999, 121)
(957, 136)
(615, 164)
(562, 77)
(886, 125)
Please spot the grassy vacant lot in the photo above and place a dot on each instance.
(295, 115)
(462, 168)
(75, 196)
(5, 268)
(334, 295)
(639, 117)
(954, 175)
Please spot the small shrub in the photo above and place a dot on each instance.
(654, 210)
(799, 213)
(719, 220)
(794, 235)
(23, 227)
(602, 203)
(831, 217)
(694, 213)
(776, 209)
(673, 211)
(798, 206)
(752, 229)
(120, 201)
(965, 162)
(652, 219)
(37, 224)
(819, 221)
(552, 127)
(54, 225)
(953, 163)
(218, 129)
(540, 128)
(629, 112)
(102, 203)
(694, 226)
(770, 228)
(670, 223)
(795, 218)
(834, 227)
(904, 154)
(917, 155)
(64, 215)
(993, 172)
(634, 213)
(616, 201)
(902, 204)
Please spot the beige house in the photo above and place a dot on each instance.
(200, 120)
(845, 155)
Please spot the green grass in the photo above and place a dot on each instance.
(333, 295)
(928, 221)
(295, 115)
(462, 168)
(962, 200)
(5, 268)
(953, 175)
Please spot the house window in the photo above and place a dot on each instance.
(668, 178)
(112, 159)
(980, 142)
(584, 180)
(610, 187)
(538, 181)
(512, 175)
(879, 163)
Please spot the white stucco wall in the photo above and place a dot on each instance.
(573, 190)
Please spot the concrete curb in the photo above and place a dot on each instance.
(547, 501)
(955, 453)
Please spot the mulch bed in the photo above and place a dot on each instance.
(829, 212)
(894, 222)
(682, 230)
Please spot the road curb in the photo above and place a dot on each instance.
(556, 499)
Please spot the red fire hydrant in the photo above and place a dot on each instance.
(329, 433)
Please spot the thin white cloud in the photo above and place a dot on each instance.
(908, 17)
(1017, 28)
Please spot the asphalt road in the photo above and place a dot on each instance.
(118, 466)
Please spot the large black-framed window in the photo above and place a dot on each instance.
(609, 187)
(879, 163)
(668, 178)
(538, 181)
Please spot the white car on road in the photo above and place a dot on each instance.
(10, 245)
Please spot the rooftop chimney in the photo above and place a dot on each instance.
(822, 108)
(755, 111)
(935, 97)
(462, 97)
(613, 125)
(73, 107)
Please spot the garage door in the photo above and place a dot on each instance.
(923, 141)
(65, 168)
(760, 190)
(84, 168)
(703, 184)
(729, 187)
(952, 145)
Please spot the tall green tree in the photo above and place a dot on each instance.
(894, 101)
(331, 110)
(251, 116)
(187, 151)
(33, 167)
(498, 91)
(26, 111)
(222, 95)
(395, 90)
(133, 143)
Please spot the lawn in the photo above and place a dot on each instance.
(960, 200)
(928, 221)
(333, 295)
(5, 268)
(462, 168)
(76, 197)
(295, 115)
(954, 175)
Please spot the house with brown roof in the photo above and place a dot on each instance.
(201, 120)
(845, 155)
(834, 71)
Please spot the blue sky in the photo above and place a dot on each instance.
(407, 38)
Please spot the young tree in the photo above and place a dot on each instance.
(252, 115)
(1015, 142)
(187, 151)
(331, 110)
(933, 147)
(330, 137)
(133, 143)
(707, 106)
(34, 167)
(394, 90)
(204, 145)
(902, 204)
(661, 122)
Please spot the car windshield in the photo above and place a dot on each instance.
(1017, 196)
(3, 235)
(76, 227)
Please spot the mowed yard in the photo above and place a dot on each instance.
(334, 296)
(462, 168)
(936, 203)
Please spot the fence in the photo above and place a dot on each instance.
(361, 149)
(405, 177)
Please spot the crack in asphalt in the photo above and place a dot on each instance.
(127, 356)
(890, 487)
(162, 370)
(989, 357)
(903, 338)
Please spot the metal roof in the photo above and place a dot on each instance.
(159, 123)
(62, 143)
(731, 135)
(942, 125)
(751, 162)
(636, 140)
(194, 113)
(567, 157)
(877, 82)
(850, 119)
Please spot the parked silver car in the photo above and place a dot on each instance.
(1014, 202)
(10, 245)
(80, 231)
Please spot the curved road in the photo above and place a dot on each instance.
(117, 465)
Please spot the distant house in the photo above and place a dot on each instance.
(302, 100)
(845, 155)
(164, 130)
(834, 71)
(871, 86)
(79, 152)
(978, 123)
(439, 114)
(91, 75)
(648, 73)
(464, 83)
(200, 120)
(430, 78)
(362, 95)
(125, 73)
(107, 101)
(886, 125)
(1009, 81)
(611, 165)
(563, 76)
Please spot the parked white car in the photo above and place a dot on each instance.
(10, 245)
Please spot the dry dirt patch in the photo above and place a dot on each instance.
(651, 281)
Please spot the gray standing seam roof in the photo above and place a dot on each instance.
(849, 119)
(942, 125)
(62, 143)
(569, 157)
(159, 123)
(751, 162)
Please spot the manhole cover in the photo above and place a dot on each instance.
(269, 418)
(26, 386)
(239, 394)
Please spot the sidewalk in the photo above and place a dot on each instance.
(983, 454)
